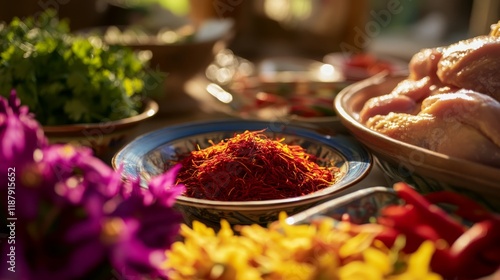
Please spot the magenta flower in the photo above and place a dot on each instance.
(66, 212)
(84, 209)
(79, 219)
(164, 188)
(20, 136)
(74, 173)
(20, 133)
(149, 223)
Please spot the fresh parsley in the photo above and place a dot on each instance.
(65, 78)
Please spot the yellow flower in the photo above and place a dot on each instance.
(324, 250)
(359, 270)
(418, 264)
(378, 259)
(327, 266)
(356, 244)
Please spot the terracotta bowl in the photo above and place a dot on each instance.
(424, 169)
(146, 157)
(104, 138)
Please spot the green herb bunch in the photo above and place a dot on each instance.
(65, 78)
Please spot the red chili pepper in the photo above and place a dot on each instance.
(407, 219)
(415, 234)
(388, 236)
(473, 253)
(467, 208)
(401, 214)
(447, 227)
(477, 251)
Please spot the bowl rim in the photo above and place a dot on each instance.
(486, 175)
(358, 158)
(226, 35)
(150, 108)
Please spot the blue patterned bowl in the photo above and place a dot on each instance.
(147, 155)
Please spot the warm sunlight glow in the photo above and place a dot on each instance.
(287, 11)
(219, 93)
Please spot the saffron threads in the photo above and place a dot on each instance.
(252, 167)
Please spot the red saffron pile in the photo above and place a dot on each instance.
(252, 167)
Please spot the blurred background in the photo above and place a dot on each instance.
(214, 59)
(307, 29)
(310, 28)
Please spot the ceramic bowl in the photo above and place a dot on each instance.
(146, 156)
(426, 170)
(104, 138)
(290, 89)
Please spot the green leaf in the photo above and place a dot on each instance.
(63, 77)
(77, 82)
(76, 110)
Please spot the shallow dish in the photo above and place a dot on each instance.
(424, 169)
(288, 89)
(147, 155)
